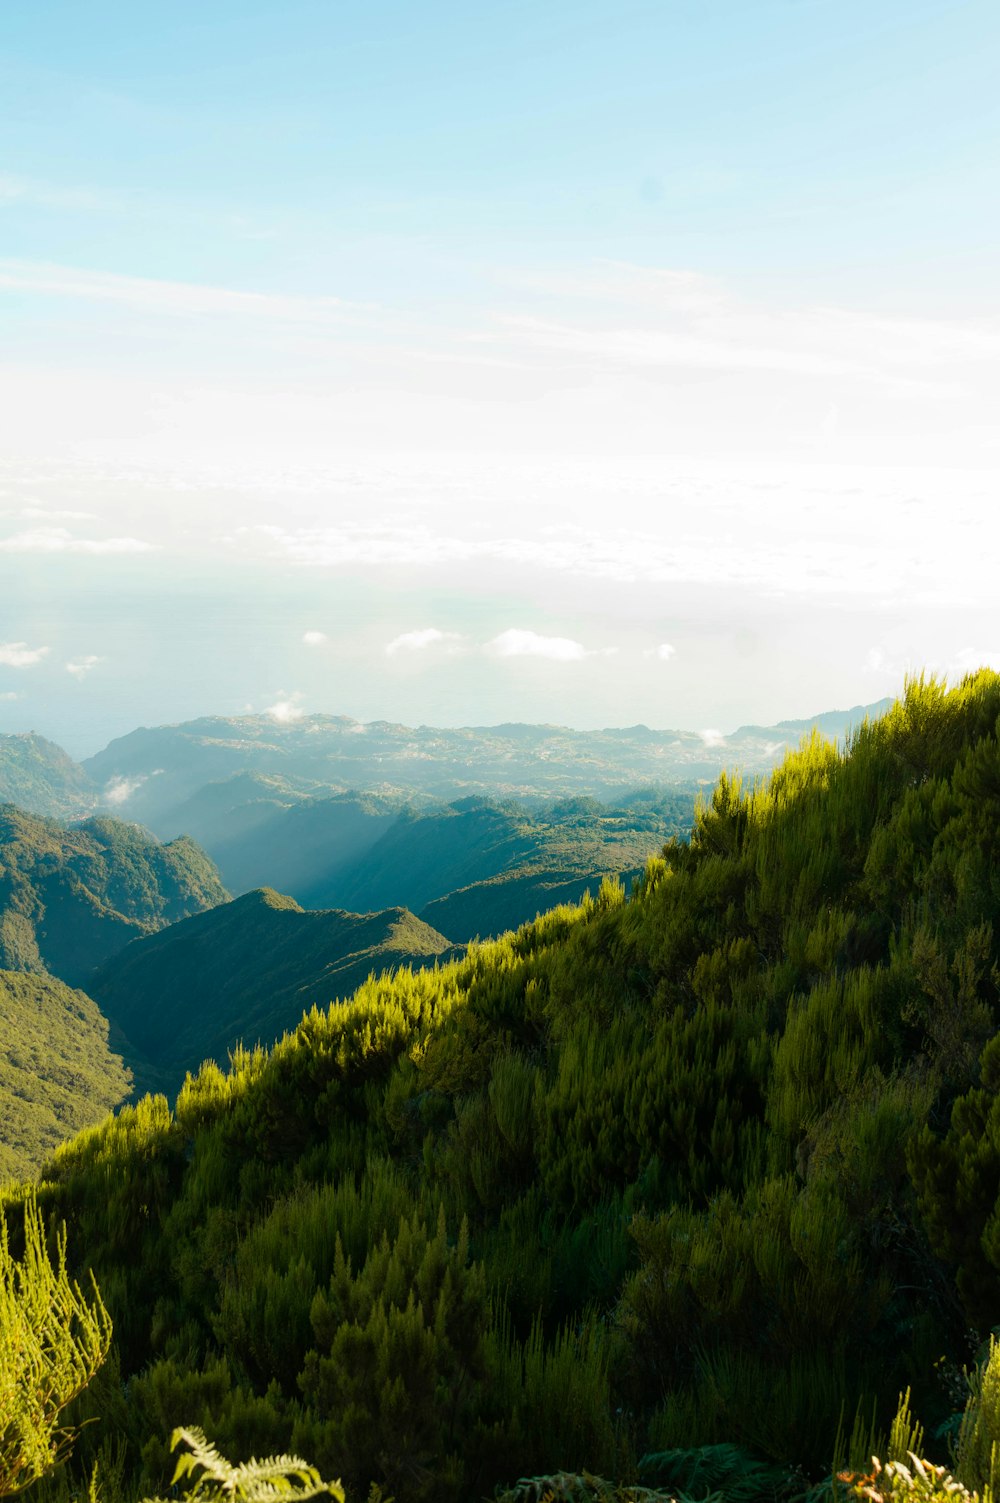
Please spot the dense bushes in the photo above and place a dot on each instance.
(719, 1164)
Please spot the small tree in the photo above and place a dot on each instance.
(53, 1339)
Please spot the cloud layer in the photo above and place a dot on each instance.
(20, 655)
(80, 667)
(61, 540)
(517, 643)
(416, 641)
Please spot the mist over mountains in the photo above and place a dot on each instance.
(150, 774)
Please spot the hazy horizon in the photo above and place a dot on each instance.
(288, 712)
(575, 363)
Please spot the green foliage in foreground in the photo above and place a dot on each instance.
(277, 1479)
(714, 1166)
(57, 1071)
(53, 1339)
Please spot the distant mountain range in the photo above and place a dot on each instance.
(152, 774)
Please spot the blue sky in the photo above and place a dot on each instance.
(488, 330)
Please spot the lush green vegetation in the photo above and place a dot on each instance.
(57, 1071)
(53, 1339)
(424, 856)
(496, 904)
(213, 1479)
(39, 776)
(245, 972)
(71, 896)
(473, 868)
(717, 1166)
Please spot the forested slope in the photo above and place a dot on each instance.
(424, 856)
(57, 1070)
(717, 1163)
(40, 777)
(499, 859)
(71, 896)
(246, 971)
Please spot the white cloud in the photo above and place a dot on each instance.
(61, 540)
(712, 738)
(120, 789)
(10, 694)
(967, 660)
(644, 347)
(286, 709)
(379, 544)
(190, 299)
(664, 289)
(664, 652)
(57, 514)
(710, 542)
(884, 663)
(80, 667)
(415, 641)
(950, 665)
(637, 317)
(20, 655)
(517, 643)
(314, 638)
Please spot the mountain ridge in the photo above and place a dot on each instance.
(246, 971)
(71, 895)
(156, 769)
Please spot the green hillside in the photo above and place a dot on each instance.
(362, 853)
(57, 1072)
(492, 865)
(717, 1165)
(486, 909)
(39, 776)
(246, 971)
(483, 867)
(71, 896)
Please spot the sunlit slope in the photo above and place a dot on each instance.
(39, 776)
(71, 896)
(717, 1163)
(57, 1071)
(246, 972)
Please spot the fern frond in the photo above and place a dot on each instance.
(272, 1479)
